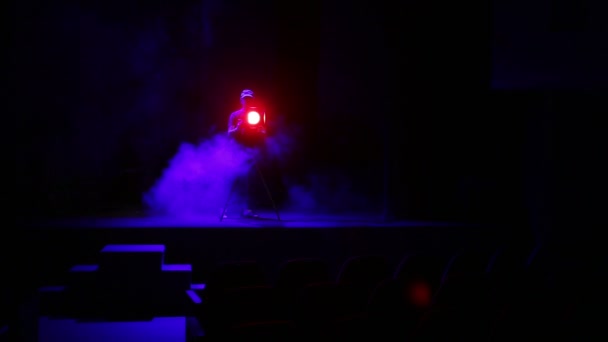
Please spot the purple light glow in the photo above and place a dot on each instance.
(196, 299)
(198, 179)
(47, 289)
(67, 330)
(84, 268)
(177, 268)
(197, 287)
(134, 248)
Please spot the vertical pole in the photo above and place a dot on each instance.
(267, 190)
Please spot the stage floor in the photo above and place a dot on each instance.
(267, 219)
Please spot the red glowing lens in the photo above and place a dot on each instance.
(253, 118)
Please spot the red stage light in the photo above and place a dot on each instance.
(253, 117)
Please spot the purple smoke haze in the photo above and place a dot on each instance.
(327, 191)
(197, 180)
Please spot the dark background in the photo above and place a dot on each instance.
(483, 111)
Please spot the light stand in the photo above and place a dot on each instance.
(253, 129)
(232, 188)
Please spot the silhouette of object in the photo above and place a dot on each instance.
(392, 316)
(318, 306)
(245, 179)
(294, 274)
(129, 281)
(226, 276)
(276, 330)
(362, 274)
(536, 306)
(235, 274)
(506, 270)
(459, 309)
(351, 328)
(237, 306)
(465, 281)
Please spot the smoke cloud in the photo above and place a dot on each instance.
(198, 179)
(327, 191)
